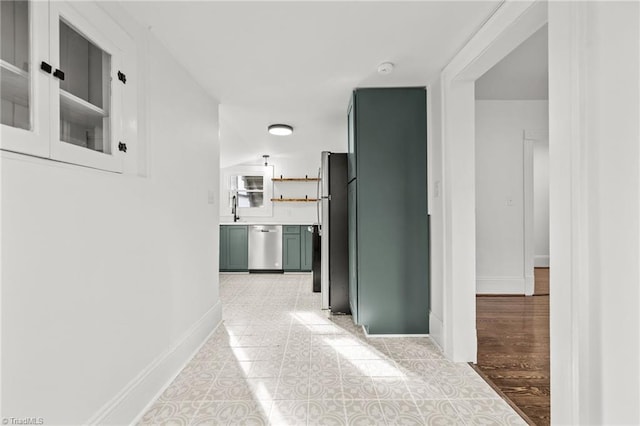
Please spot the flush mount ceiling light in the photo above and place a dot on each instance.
(385, 68)
(280, 129)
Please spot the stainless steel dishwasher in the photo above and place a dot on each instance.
(265, 248)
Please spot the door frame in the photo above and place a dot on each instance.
(570, 326)
(511, 24)
(530, 138)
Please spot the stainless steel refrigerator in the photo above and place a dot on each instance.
(333, 219)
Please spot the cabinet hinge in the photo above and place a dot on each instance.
(45, 67)
(122, 77)
(59, 74)
(122, 147)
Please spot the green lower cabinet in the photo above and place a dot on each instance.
(234, 248)
(291, 252)
(306, 248)
(224, 253)
(297, 248)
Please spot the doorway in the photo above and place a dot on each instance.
(512, 227)
(593, 238)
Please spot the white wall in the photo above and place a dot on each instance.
(500, 129)
(594, 105)
(541, 203)
(521, 75)
(109, 281)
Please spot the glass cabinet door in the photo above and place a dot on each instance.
(62, 83)
(14, 64)
(85, 91)
(24, 89)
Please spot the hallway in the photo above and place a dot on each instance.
(278, 359)
(513, 347)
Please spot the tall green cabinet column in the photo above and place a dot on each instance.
(388, 219)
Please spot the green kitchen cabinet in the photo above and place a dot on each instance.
(224, 251)
(353, 252)
(297, 248)
(291, 251)
(234, 248)
(351, 146)
(291, 229)
(306, 248)
(388, 219)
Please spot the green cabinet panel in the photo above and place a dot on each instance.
(291, 251)
(290, 229)
(389, 279)
(234, 248)
(224, 254)
(353, 252)
(238, 248)
(351, 151)
(306, 248)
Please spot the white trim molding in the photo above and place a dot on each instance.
(568, 213)
(376, 336)
(512, 23)
(527, 213)
(500, 285)
(435, 329)
(530, 137)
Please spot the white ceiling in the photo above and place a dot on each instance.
(297, 62)
(521, 75)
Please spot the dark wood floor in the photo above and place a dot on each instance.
(513, 348)
(542, 282)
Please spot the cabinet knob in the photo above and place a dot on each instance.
(59, 74)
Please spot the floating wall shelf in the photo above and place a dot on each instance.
(294, 200)
(306, 199)
(304, 179)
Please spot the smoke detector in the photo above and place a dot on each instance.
(385, 68)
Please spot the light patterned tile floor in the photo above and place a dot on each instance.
(278, 359)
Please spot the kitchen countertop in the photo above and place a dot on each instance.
(267, 223)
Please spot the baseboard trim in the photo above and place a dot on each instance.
(541, 261)
(130, 404)
(529, 285)
(500, 285)
(375, 336)
(436, 330)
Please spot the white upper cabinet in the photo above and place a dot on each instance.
(63, 82)
(24, 89)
